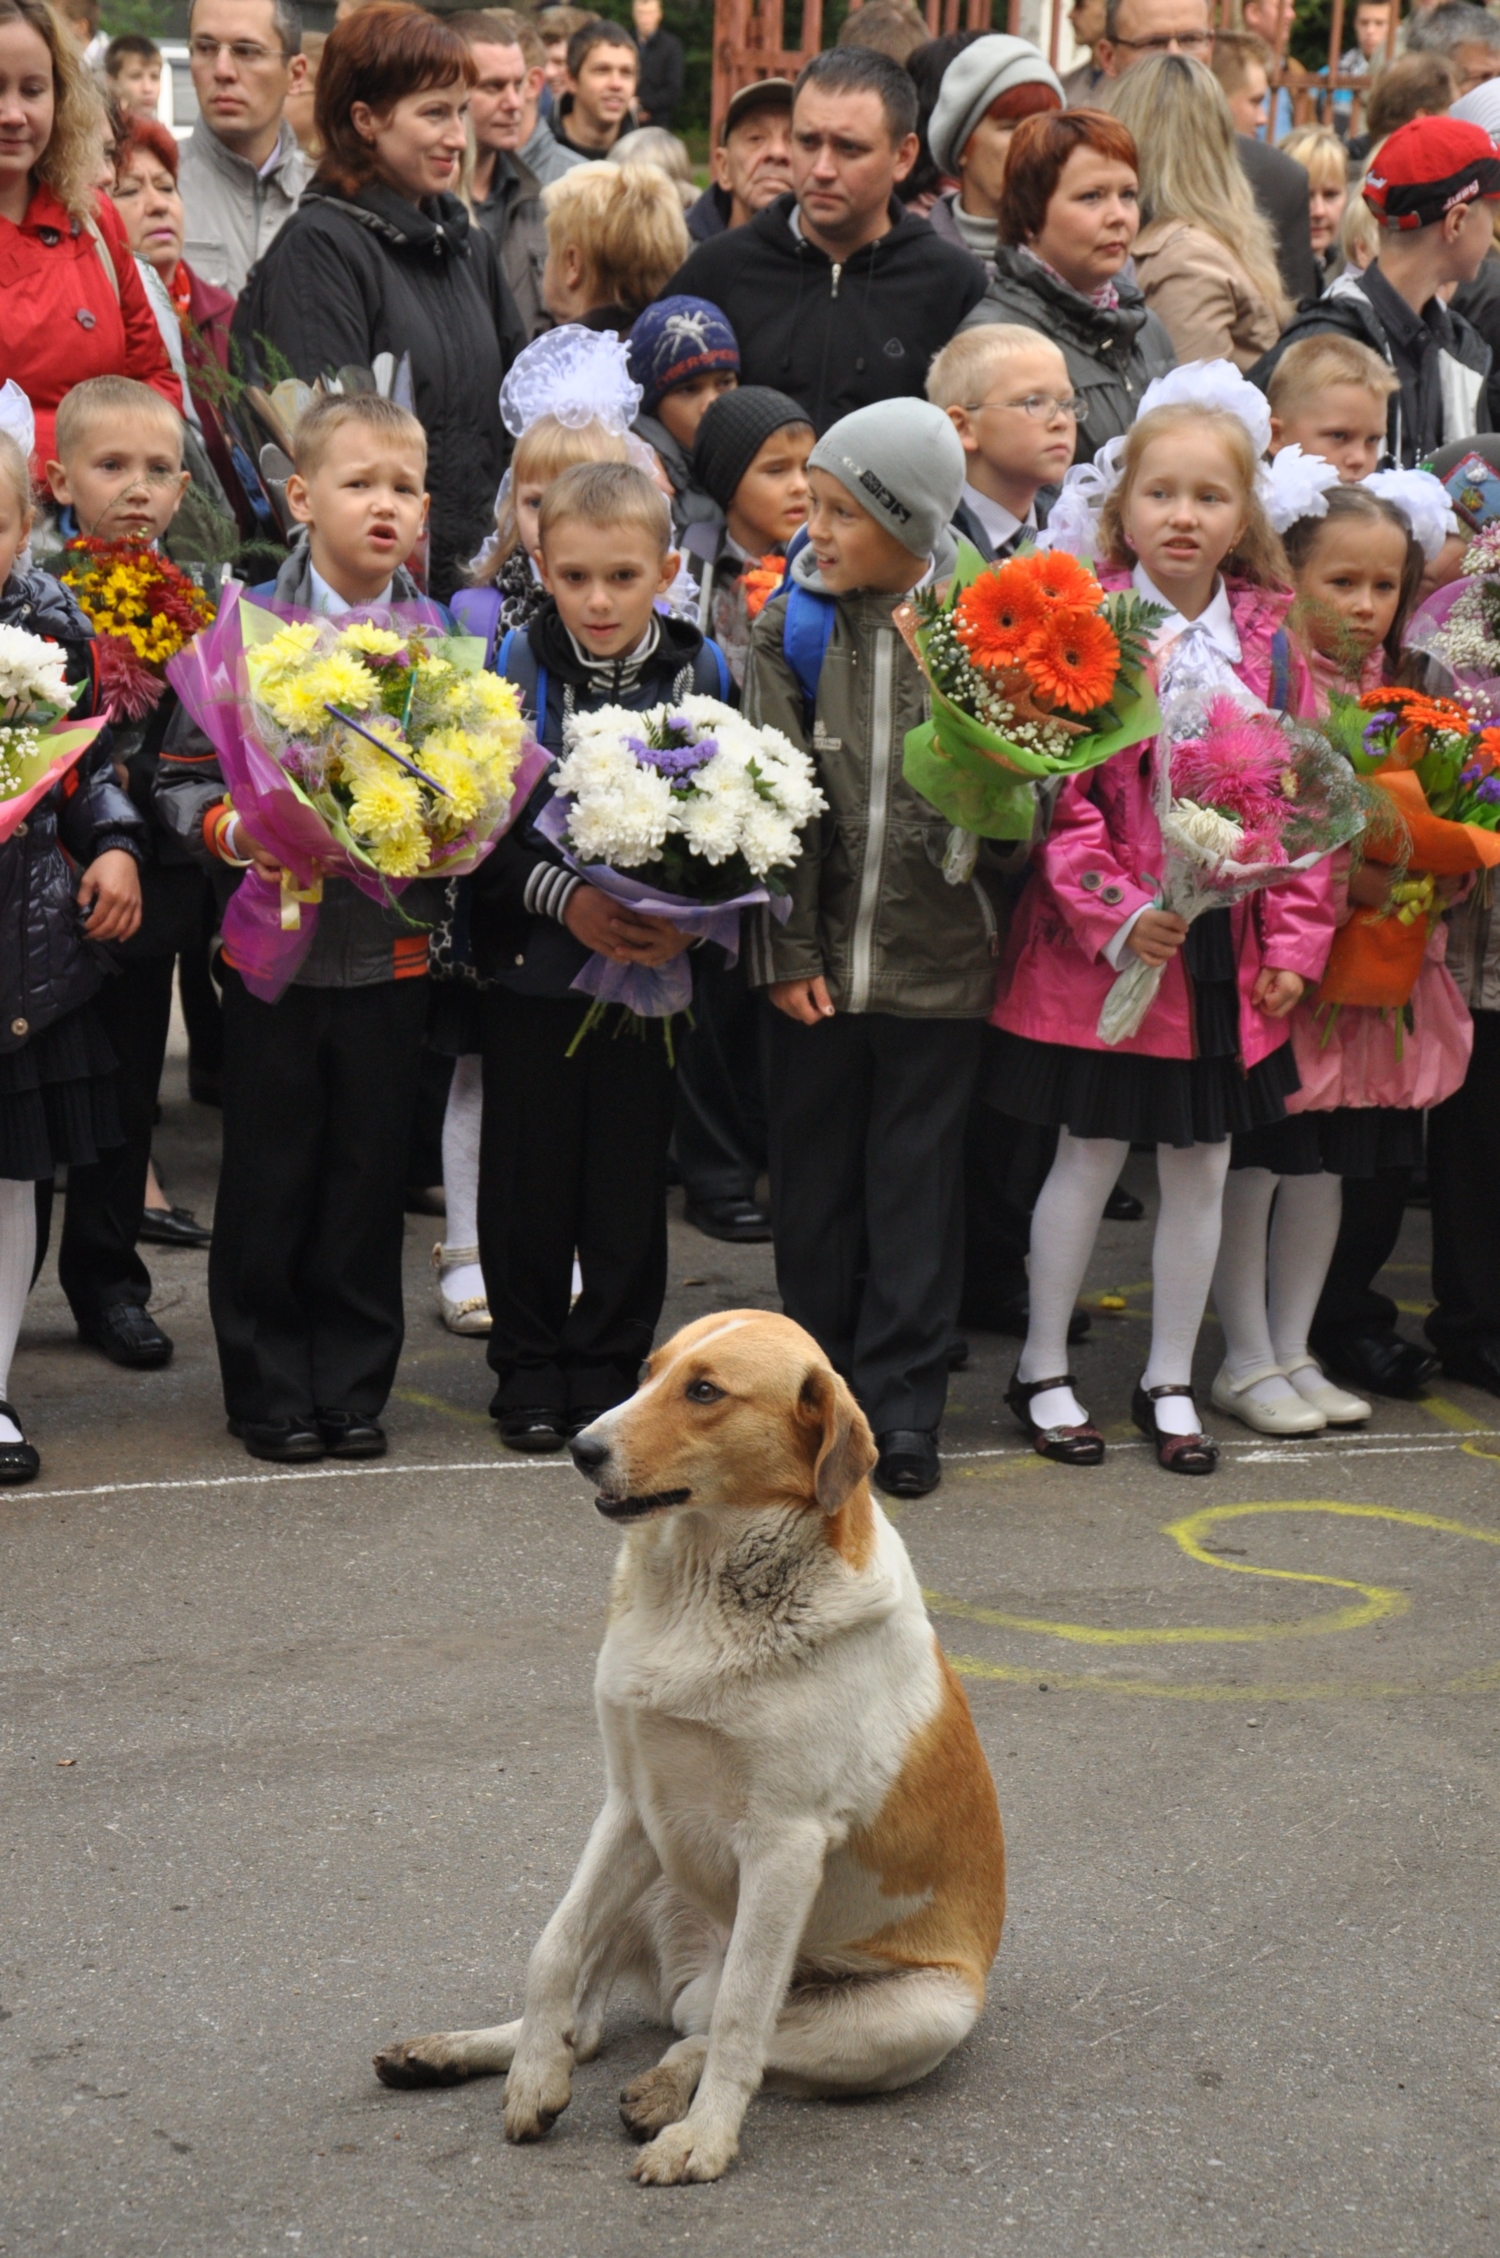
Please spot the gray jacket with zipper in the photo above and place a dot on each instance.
(232, 213)
(871, 910)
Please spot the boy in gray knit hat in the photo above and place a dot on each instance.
(883, 974)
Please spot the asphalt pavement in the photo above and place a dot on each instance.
(293, 1763)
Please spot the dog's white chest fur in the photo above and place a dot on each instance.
(746, 1687)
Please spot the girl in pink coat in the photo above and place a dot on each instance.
(1357, 567)
(1185, 524)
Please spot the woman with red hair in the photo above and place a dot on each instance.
(147, 199)
(987, 89)
(1069, 211)
(380, 256)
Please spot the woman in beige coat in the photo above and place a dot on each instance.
(1205, 257)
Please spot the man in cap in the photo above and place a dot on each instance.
(752, 163)
(987, 89)
(1433, 188)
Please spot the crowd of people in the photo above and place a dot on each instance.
(647, 438)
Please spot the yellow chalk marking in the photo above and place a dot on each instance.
(1462, 1422)
(438, 1403)
(1377, 1603)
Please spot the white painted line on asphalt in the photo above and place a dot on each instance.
(317, 1474)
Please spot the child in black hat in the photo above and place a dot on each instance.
(750, 454)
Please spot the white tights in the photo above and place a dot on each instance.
(17, 1260)
(1266, 1284)
(461, 1126)
(1064, 1227)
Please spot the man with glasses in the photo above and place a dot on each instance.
(1468, 37)
(242, 172)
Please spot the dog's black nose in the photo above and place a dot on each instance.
(588, 1455)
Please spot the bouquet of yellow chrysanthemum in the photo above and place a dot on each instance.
(374, 747)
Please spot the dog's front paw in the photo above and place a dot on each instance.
(658, 2098)
(685, 2152)
(536, 2094)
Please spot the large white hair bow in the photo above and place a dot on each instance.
(1296, 485)
(1423, 502)
(16, 417)
(577, 375)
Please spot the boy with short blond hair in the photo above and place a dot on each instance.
(883, 974)
(1328, 395)
(304, 1277)
(573, 1150)
(1007, 393)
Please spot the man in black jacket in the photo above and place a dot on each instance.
(1434, 192)
(663, 70)
(836, 294)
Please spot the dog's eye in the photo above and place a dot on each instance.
(703, 1391)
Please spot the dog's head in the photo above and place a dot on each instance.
(738, 1410)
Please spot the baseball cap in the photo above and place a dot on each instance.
(1426, 168)
(760, 94)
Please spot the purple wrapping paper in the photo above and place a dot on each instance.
(653, 991)
(209, 676)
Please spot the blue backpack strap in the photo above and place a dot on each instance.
(516, 660)
(1281, 671)
(477, 611)
(806, 629)
(711, 673)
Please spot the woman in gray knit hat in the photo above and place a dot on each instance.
(986, 91)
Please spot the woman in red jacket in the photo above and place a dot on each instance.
(74, 303)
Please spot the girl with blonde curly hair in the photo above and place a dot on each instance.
(75, 305)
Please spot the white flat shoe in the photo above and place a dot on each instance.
(470, 1316)
(1338, 1406)
(1296, 1417)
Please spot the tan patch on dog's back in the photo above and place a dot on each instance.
(938, 1837)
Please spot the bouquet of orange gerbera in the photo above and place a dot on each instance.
(1034, 672)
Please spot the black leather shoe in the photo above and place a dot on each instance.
(1476, 1362)
(740, 1222)
(578, 1420)
(1382, 1361)
(1123, 1206)
(350, 1434)
(287, 1442)
(19, 1462)
(127, 1336)
(172, 1227)
(534, 1427)
(908, 1462)
(1013, 1318)
(1067, 1446)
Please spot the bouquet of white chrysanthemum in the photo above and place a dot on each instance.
(685, 812)
(374, 747)
(37, 744)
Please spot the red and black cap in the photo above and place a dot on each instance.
(1428, 167)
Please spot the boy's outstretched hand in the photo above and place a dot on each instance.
(804, 1000)
(620, 934)
(109, 893)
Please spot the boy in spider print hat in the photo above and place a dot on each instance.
(683, 354)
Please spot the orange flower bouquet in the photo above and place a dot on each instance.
(1034, 673)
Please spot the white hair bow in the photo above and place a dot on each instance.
(577, 375)
(1423, 502)
(16, 417)
(1296, 485)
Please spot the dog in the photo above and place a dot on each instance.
(799, 1864)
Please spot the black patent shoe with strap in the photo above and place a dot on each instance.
(19, 1462)
(1176, 1454)
(1069, 1446)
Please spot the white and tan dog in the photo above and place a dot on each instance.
(799, 1861)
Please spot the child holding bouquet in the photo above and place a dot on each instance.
(304, 1275)
(1356, 565)
(1182, 517)
(58, 1100)
(573, 1151)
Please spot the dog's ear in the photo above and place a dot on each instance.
(846, 1448)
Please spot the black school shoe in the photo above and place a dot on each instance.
(739, 1223)
(350, 1434)
(1381, 1360)
(286, 1442)
(531, 1427)
(1123, 1206)
(127, 1335)
(908, 1462)
(1475, 1361)
(19, 1462)
(172, 1227)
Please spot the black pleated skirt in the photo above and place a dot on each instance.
(1152, 1101)
(57, 1098)
(1345, 1141)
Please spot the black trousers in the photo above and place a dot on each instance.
(1371, 1225)
(573, 1154)
(97, 1262)
(1461, 1168)
(1006, 1163)
(720, 1128)
(304, 1275)
(867, 1116)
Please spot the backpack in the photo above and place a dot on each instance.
(477, 611)
(517, 661)
(806, 628)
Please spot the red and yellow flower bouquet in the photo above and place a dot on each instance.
(1035, 673)
(143, 610)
